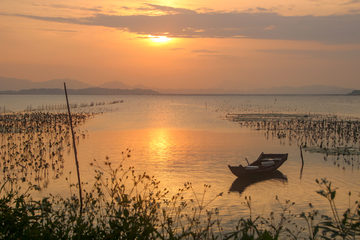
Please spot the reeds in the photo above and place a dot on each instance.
(329, 135)
(32, 145)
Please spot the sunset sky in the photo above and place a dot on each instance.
(183, 43)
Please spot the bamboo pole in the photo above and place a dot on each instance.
(75, 152)
(302, 161)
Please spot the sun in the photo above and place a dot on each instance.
(159, 39)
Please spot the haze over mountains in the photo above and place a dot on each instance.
(226, 87)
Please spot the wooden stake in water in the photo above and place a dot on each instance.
(302, 161)
(76, 160)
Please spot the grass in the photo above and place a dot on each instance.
(125, 205)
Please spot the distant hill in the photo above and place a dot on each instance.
(115, 85)
(194, 91)
(140, 86)
(120, 85)
(355, 92)
(313, 89)
(226, 87)
(59, 83)
(16, 84)
(85, 91)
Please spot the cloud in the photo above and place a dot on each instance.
(185, 23)
(354, 10)
(203, 51)
(335, 54)
(351, 2)
(166, 9)
(58, 30)
(63, 6)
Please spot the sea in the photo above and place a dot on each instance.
(182, 139)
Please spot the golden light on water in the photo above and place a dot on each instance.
(160, 144)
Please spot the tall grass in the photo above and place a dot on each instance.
(122, 204)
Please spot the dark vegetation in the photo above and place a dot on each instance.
(32, 145)
(122, 204)
(355, 92)
(337, 139)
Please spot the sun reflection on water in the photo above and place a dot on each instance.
(160, 144)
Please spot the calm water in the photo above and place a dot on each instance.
(182, 139)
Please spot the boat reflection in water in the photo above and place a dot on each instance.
(242, 182)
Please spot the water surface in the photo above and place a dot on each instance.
(182, 139)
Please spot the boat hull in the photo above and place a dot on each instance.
(260, 166)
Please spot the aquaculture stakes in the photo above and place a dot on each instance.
(33, 144)
(329, 135)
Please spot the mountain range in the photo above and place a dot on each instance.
(14, 84)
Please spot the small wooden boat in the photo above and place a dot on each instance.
(265, 163)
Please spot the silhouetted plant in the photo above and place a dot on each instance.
(124, 205)
(347, 226)
(309, 217)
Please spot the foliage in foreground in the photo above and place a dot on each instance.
(113, 210)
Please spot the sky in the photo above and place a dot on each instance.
(203, 44)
